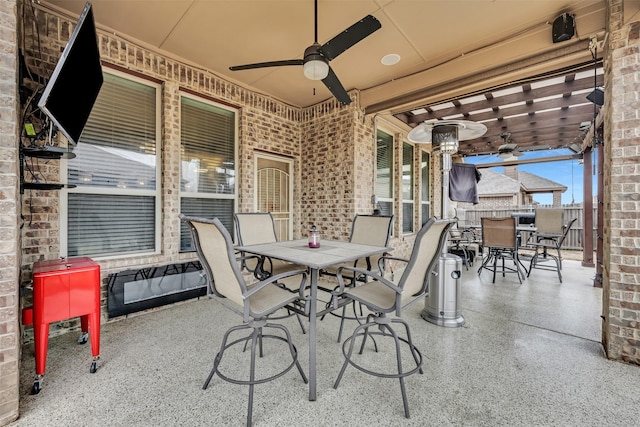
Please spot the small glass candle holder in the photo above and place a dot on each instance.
(314, 237)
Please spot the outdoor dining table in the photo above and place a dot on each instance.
(329, 253)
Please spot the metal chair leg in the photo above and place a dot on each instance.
(256, 337)
(385, 330)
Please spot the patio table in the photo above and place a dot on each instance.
(329, 253)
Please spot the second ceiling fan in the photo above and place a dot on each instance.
(508, 149)
(316, 58)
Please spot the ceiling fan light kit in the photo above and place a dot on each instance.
(315, 66)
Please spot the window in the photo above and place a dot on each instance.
(384, 172)
(407, 188)
(208, 163)
(114, 208)
(425, 195)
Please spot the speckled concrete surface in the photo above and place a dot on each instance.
(528, 354)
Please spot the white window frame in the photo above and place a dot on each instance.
(412, 186)
(391, 172)
(64, 196)
(425, 203)
(215, 196)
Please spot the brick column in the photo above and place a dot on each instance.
(621, 270)
(9, 207)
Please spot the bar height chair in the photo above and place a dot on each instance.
(383, 297)
(255, 303)
(374, 230)
(500, 239)
(254, 228)
(544, 242)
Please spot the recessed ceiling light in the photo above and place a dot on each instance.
(390, 59)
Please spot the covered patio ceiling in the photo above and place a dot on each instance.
(544, 112)
(478, 60)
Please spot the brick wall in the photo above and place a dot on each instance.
(496, 202)
(335, 144)
(265, 125)
(621, 270)
(9, 230)
(275, 134)
(328, 151)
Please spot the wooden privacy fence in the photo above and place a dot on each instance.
(574, 240)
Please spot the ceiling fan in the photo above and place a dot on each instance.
(508, 149)
(316, 57)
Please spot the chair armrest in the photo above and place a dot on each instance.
(258, 286)
(385, 257)
(337, 292)
(543, 236)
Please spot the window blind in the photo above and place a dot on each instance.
(112, 210)
(425, 199)
(407, 188)
(207, 166)
(384, 166)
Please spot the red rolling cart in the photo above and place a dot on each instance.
(62, 289)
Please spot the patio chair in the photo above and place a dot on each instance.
(463, 242)
(254, 228)
(543, 243)
(374, 230)
(254, 303)
(382, 296)
(549, 222)
(501, 243)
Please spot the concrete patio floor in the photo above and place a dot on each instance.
(528, 354)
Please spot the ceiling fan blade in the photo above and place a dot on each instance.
(333, 84)
(267, 64)
(350, 36)
(508, 147)
(536, 147)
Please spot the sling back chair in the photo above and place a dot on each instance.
(500, 240)
(463, 242)
(544, 242)
(254, 228)
(374, 230)
(549, 222)
(382, 297)
(255, 303)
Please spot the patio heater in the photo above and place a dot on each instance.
(442, 303)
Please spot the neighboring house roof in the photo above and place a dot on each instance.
(536, 184)
(493, 183)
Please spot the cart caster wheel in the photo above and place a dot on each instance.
(82, 339)
(36, 388)
(93, 368)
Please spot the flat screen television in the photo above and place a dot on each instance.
(76, 80)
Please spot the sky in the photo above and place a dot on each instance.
(566, 172)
